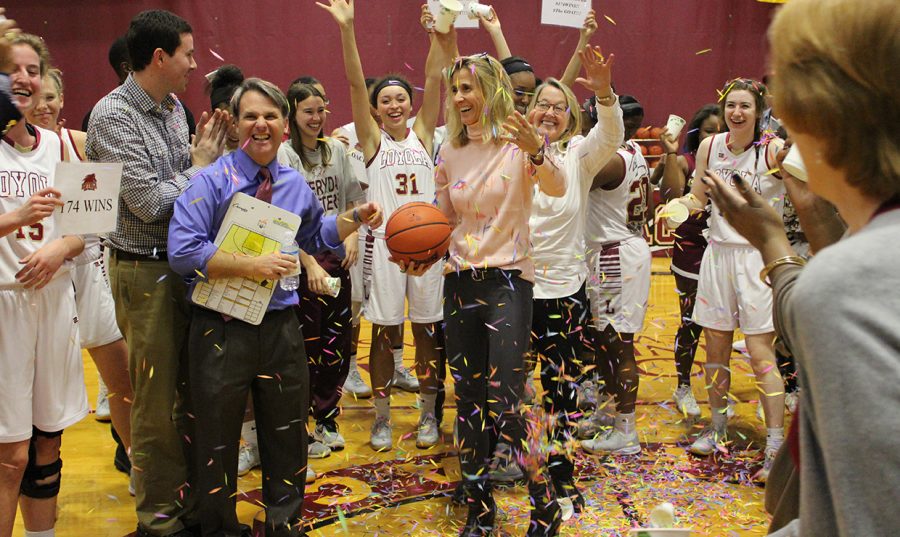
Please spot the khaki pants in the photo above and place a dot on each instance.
(153, 314)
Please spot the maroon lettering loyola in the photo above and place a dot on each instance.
(20, 184)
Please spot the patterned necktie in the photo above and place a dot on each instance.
(264, 191)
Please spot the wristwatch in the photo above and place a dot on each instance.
(538, 159)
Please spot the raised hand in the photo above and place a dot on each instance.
(669, 143)
(491, 22)
(597, 70)
(341, 10)
(209, 141)
(522, 133)
(7, 30)
(589, 26)
(426, 19)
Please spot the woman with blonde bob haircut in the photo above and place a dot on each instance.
(836, 67)
(558, 238)
(485, 186)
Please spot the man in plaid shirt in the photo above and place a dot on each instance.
(142, 124)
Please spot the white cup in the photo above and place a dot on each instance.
(674, 126)
(675, 213)
(660, 532)
(446, 15)
(793, 163)
(475, 10)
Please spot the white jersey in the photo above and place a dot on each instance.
(753, 166)
(401, 171)
(355, 154)
(620, 213)
(21, 176)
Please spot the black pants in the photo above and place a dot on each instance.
(326, 321)
(488, 320)
(557, 343)
(228, 360)
(688, 335)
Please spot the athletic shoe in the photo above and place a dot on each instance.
(311, 474)
(318, 450)
(790, 401)
(686, 403)
(601, 420)
(405, 379)
(741, 347)
(327, 433)
(503, 468)
(763, 474)
(381, 438)
(707, 441)
(429, 433)
(586, 395)
(356, 386)
(248, 458)
(102, 412)
(615, 442)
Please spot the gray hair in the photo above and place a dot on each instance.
(266, 88)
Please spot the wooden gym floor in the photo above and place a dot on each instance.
(403, 492)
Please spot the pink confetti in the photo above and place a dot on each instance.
(216, 54)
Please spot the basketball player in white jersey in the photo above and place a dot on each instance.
(619, 259)
(730, 294)
(94, 302)
(399, 170)
(42, 390)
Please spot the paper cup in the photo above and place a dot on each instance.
(475, 10)
(674, 126)
(660, 532)
(793, 163)
(675, 214)
(446, 15)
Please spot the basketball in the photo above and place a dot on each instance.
(417, 231)
(656, 150)
(642, 134)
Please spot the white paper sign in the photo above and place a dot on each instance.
(251, 227)
(569, 13)
(463, 20)
(90, 196)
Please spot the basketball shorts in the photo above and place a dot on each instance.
(95, 305)
(619, 285)
(386, 288)
(730, 294)
(41, 370)
(357, 294)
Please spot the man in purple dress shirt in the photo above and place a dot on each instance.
(227, 358)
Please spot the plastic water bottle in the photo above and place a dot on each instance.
(289, 246)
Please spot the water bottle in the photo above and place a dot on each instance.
(289, 246)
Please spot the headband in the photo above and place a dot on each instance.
(385, 82)
(514, 64)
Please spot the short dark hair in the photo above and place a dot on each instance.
(153, 29)
(118, 54)
(306, 79)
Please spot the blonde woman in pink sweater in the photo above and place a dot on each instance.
(485, 184)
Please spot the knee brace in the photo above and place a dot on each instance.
(34, 472)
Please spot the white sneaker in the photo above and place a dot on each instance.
(405, 379)
(311, 474)
(381, 438)
(741, 347)
(613, 441)
(248, 458)
(602, 419)
(586, 395)
(763, 474)
(429, 433)
(686, 403)
(707, 441)
(327, 434)
(790, 401)
(503, 468)
(102, 412)
(356, 386)
(318, 450)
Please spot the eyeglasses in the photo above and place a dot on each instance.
(544, 106)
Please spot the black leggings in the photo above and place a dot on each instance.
(557, 343)
(688, 335)
(488, 321)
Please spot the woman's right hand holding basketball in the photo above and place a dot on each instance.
(341, 10)
(413, 268)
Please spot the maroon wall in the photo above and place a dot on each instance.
(655, 43)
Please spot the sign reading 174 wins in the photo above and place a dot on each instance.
(90, 195)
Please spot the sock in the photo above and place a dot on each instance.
(774, 437)
(427, 400)
(383, 407)
(46, 533)
(719, 419)
(625, 423)
(248, 432)
(398, 357)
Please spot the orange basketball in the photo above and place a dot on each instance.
(655, 133)
(419, 232)
(643, 133)
(644, 150)
(656, 150)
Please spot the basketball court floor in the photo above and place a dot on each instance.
(404, 492)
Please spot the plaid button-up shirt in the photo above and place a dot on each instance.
(151, 140)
